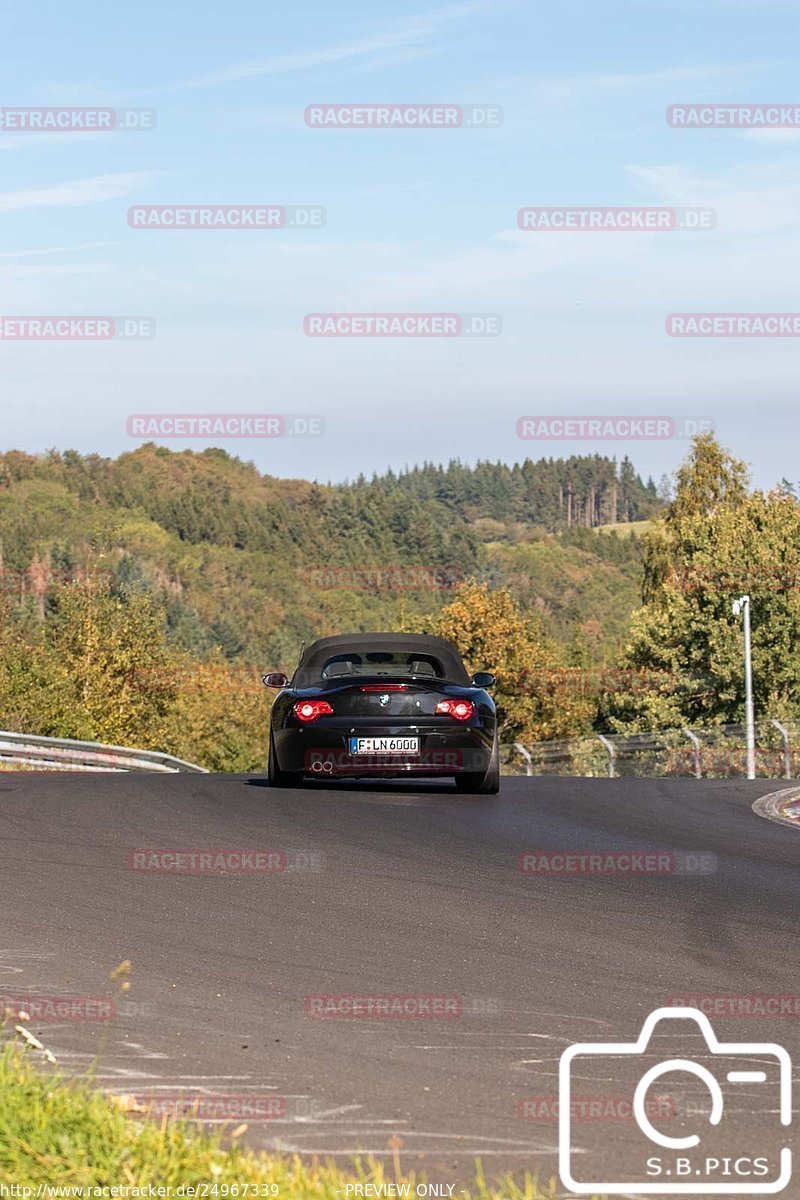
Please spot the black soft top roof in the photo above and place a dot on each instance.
(309, 668)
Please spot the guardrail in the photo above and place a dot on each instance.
(62, 754)
(715, 752)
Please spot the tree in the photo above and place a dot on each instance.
(715, 542)
(114, 666)
(665, 492)
(533, 697)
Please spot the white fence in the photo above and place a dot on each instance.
(61, 754)
(717, 752)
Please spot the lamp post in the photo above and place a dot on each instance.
(742, 605)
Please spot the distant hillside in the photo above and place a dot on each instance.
(555, 494)
(582, 586)
(255, 565)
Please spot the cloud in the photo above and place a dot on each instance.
(750, 259)
(396, 58)
(77, 192)
(17, 141)
(53, 250)
(560, 89)
(777, 136)
(748, 199)
(412, 32)
(47, 271)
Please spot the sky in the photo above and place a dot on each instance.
(416, 220)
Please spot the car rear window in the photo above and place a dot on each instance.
(381, 662)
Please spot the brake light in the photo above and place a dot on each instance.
(309, 710)
(384, 687)
(462, 710)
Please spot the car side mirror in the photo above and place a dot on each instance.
(483, 679)
(275, 680)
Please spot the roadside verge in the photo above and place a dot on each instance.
(782, 806)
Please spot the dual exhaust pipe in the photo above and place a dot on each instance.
(318, 766)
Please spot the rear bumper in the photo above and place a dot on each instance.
(325, 750)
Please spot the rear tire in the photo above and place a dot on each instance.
(486, 783)
(277, 777)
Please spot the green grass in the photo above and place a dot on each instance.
(625, 528)
(61, 1132)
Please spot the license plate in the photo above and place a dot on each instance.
(384, 745)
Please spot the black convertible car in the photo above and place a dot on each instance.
(385, 705)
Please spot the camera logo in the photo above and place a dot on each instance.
(725, 1157)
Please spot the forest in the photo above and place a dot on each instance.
(142, 597)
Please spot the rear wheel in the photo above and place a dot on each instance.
(277, 777)
(486, 783)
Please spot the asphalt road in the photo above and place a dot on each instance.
(406, 891)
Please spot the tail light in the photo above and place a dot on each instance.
(309, 710)
(462, 710)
